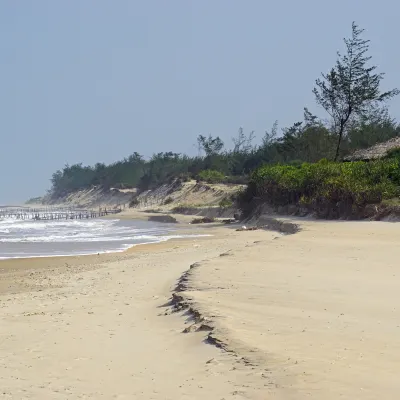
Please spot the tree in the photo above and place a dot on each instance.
(135, 158)
(288, 144)
(374, 126)
(351, 87)
(211, 146)
(243, 143)
(270, 136)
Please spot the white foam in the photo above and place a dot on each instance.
(121, 249)
(24, 239)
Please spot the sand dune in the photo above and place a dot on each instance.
(313, 315)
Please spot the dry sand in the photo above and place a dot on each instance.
(313, 315)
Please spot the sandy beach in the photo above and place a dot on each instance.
(312, 315)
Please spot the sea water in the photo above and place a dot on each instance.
(29, 238)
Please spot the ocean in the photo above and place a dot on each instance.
(29, 238)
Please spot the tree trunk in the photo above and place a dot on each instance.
(338, 145)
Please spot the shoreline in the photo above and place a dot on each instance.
(13, 270)
(165, 238)
(183, 226)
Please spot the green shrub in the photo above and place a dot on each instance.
(35, 200)
(168, 200)
(134, 202)
(354, 184)
(393, 153)
(226, 203)
(211, 176)
(185, 177)
(237, 180)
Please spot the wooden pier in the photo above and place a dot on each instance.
(51, 214)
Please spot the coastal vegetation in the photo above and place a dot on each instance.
(328, 187)
(306, 141)
(351, 86)
(297, 165)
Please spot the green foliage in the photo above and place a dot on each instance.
(226, 203)
(307, 141)
(184, 177)
(394, 153)
(374, 126)
(351, 86)
(134, 202)
(35, 200)
(210, 145)
(236, 180)
(125, 173)
(161, 168)
(211, 176)
(168, 200)
(355, 184)
(186, 208)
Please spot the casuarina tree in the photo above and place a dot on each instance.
(351, 86)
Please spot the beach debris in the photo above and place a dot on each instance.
(244, 228)
(168, 219)
(228, 220)
(30, 314)
(203, 220)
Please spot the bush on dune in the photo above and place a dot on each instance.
(211, 176)
(355, 184)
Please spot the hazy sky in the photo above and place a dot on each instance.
(93, 81)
